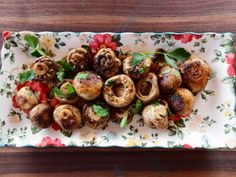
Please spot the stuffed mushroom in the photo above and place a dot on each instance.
(25, 98)
(41, 115)
(181, 101)
(80, 59)
(68, 117)
(147, 88)
(155, 115)
(68, 94)
(44, 68)
(137, 67)
(96, 114)
(105, 63)
(119, 91)
(117, 114)
(87, 85)
(169, 79)
(196, 73)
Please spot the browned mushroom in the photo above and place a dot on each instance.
(158, 60)
(44, 68)
(68, 117)
(119, 91)
(196, 73)
(147, 88)
(155, 115)
(68, 96)
(25, 98)
(169, 79)
(136, 69)
(87, 85)
(96, 114)
(181, 101)
(117, 114)
(105, 63)
(41, 115)
(80, 59)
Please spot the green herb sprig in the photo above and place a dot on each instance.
(124, 121)
(32, 42)
(26, 76)
(179, 54)
(64, 70)
(100, 111)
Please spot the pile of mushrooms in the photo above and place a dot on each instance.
(105, 88)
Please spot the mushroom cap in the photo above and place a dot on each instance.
(169, 79)
(87, 85)
(117, 114)
(119, 91)
(147, 88)
(105, 63)
(196, 73)
(45, 68)
(136, 71)
(155, 116)
(181, 101)
(94, 118)
(69, 100)
(41, 115)
(68, 117)
(25, 98)
(80, 58)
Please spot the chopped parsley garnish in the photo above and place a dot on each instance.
(124, 121)
(26, 76)
(100, 111)
(82, 75)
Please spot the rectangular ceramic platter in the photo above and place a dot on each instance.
(212, 123)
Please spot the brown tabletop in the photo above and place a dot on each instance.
(117, 16)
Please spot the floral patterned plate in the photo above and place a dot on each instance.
(212, 123)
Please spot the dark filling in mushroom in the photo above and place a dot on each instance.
(105, 65)
(43, 120)
(68, 122)
(176, 102)
(119, 90)
(145, 88)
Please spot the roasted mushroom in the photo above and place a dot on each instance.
(158, 60)
(147, 88)
(119, 91)
(41, 115)
(155, 115)
(196, 73)
(117, 114)
(68, 117)
(105, 63)
(169, 79)
(80, 59)
(25, 98)
(45, 68)
(181, 101)
(136, 68)
(96, 114)
(69, 95)
(87, 85)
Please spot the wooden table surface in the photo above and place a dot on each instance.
(128, 15)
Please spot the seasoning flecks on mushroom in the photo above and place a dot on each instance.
(68, 117)
(169, 79)
(25, 98)
(137, 68)
(80, 59)
(117, 114)
(45, 68)
(105, 63)
(41, 115)
(156, 115)
(147, 88)
(196, 73)
(181, 101)
(96, 114)
(119, 91)
(87, 85)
